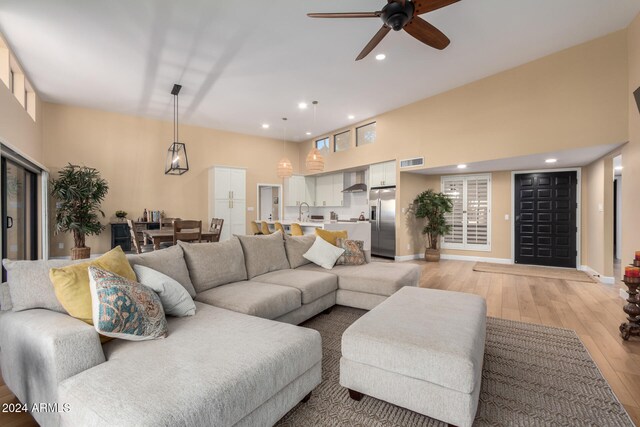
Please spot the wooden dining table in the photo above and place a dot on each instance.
(160, 236)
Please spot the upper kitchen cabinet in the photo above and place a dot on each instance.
(382, 174)
(299, 189)
(329, 190)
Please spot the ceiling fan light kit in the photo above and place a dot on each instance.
(400, 15)
(177, 162)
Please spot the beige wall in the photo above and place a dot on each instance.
(130, 154)
(631, 153)
(17, 129)
(409, 232)
(597, 208)
(574, 98)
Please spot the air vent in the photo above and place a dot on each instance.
(411, 163)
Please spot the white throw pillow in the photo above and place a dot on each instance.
(175, 299)
(323, 253)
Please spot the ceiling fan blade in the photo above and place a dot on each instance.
(345, 15)
(425, 6)
(374, 42)
(427, 33)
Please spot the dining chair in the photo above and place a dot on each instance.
(187, 230)
(135, 231)
(255, 229)
(167, 223)
(216, 228)
(279, 227)
(296, 230)
(265, 228)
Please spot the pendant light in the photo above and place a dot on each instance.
(315, 161)
(285, 168)
(177, 162)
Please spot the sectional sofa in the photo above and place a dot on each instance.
(239, 361)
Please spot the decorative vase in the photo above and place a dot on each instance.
(80, 253)
(432, 255)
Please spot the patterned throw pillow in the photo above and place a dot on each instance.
(125, 309)
(353, 252)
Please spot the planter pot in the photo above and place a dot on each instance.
(80, 253)
(432, 255)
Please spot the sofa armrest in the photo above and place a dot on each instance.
(41, 348)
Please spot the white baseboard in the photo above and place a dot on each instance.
(456, 258)
(606, 280)
(624, 294)
(476, 259)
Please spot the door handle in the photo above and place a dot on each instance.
(229, 194)
(9, 222)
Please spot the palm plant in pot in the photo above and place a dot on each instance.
(79, 191)
(432, 207)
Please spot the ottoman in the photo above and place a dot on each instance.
(421, 349)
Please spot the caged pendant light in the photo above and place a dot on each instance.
(315, 161)
(285, 168)
(177, 162)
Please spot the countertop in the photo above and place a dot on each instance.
(314, 223)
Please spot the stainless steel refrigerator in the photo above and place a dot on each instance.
(382, 208)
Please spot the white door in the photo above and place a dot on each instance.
(290, 192)
(223, 210)
(222, 183)
(376, 175)
(238, 184)
(238, 219)
(310, 191)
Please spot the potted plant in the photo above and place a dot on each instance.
(79, 191)
(121, 215)
(433, 206)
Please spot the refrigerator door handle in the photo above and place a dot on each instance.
(379, 212)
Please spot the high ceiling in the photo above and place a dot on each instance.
(244, 63)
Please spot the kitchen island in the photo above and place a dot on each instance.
(360, 230)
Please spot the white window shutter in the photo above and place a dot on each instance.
(454, 188)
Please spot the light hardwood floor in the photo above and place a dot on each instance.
(593, 310)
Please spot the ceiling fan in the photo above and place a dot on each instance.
(400, 15)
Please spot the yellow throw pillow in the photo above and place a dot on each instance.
(332, 236)
(71, 283)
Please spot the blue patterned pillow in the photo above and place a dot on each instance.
(125, 309)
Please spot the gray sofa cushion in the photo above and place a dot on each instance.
(264, 254)
(296, 246)
(311, 284)
(5, 297)
(30, 286)
(168, 261)
(254, 298)
(380, 278)
(213, 369)
(214, 264)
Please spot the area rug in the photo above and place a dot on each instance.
(535, 271)
(533, 375)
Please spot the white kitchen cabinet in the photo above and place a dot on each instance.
(299, 189)
(227, 199)
(310, 190)
(338, 186)
(382, 174)
(329, 190)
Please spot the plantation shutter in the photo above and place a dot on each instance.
(471, 217)
(454, 188)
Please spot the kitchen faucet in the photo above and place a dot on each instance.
(300, 210)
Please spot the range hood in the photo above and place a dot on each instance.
(359, 186)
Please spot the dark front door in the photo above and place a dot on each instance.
(545, 222)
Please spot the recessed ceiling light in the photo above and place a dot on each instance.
(265, 126)
(308, 133)
(351, 117)
(551, 160)
(462, 166)
(619, 168)
(302, 105)
(380, 56)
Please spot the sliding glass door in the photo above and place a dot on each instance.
(19, 213)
